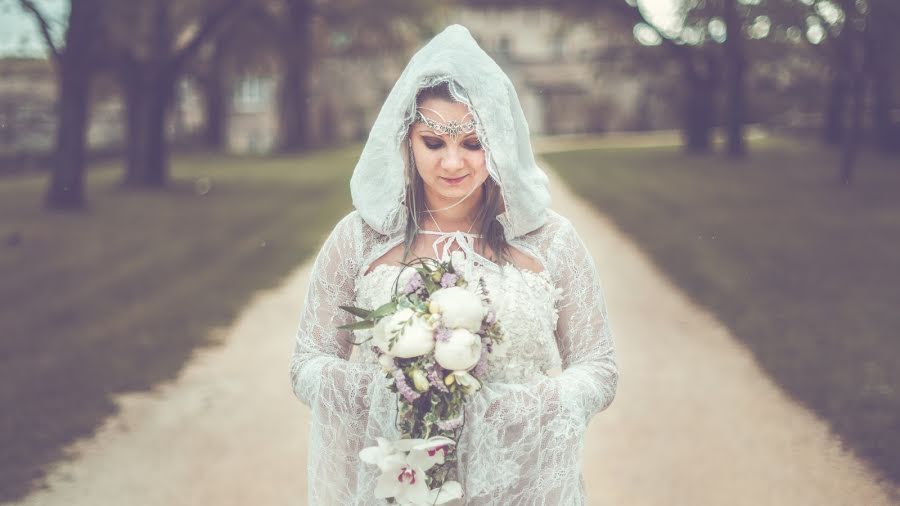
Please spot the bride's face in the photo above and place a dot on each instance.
(450, 167)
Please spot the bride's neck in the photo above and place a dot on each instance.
(460, 217)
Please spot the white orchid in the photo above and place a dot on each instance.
(449, 491)
(404, 465)
(378, 455)
(460, 352)
(459, 308)
(415, 334)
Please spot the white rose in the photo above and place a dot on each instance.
(387, 363)
(460, 308)
(416, 338)
(460, 352)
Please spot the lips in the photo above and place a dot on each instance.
(454, 181)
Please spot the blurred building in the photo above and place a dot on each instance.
(28, 109)
(570, 79)
(27, 105)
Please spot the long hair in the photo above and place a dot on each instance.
(490, 206)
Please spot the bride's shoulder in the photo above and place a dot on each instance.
(555, 225)
(352, 225)
(354, 233)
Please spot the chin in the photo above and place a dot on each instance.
(453, 193)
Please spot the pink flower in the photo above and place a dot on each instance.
(400, 380)
(414, 283)
(449, 279)
(442, 334)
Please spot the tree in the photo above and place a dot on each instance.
(735, 64)
(882, 45)
(700, 66)
(853, 37)
(305, 30)
(148, 61)
(73, 62)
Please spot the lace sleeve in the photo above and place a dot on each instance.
(335, 389)
(517, 430)
(590, 375)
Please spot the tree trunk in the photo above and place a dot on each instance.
(66, 188)
(880, 57)
(297, 53)
(216, 105)
(151, 86)
(698, 107)
(833, 129)
(856, 78)
(148, 98)
(130, 81)
(736, 66)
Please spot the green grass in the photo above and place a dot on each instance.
(117, 298)
(804, 272)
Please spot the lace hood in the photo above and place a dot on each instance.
(379, 180)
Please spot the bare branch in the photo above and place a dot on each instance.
(29, 6)
(210, 24)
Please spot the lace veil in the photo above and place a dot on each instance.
(522, 442)
(379, 181)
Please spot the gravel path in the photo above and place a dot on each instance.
(695, 422)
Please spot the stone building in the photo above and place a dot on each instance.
(570, 79)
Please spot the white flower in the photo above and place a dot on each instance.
(449, 491)
(420, 380)
(404, 474)
(467, 381)
(459, 308)
(402, 480)
(416, 334)
(387, 362)
(460, 352)
(378, 454)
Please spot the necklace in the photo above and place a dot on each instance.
(439, 227)
(458, 202)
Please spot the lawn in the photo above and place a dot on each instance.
(117, 298)
(804, 272)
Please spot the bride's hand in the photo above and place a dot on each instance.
(536, 402)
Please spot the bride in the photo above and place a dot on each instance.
(448, 171)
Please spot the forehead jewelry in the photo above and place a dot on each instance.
(452, 128)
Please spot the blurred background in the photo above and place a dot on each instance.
(162, 161)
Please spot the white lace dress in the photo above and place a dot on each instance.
(524, 429)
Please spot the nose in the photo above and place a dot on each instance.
(452, 160)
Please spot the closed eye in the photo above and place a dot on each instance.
(472, 144)
(432, 142)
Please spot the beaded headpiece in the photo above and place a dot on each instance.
(452, 128)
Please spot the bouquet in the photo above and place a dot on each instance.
(432, 340)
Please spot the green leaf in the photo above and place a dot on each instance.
(360, 325)
(356, 311)
(384, 310)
